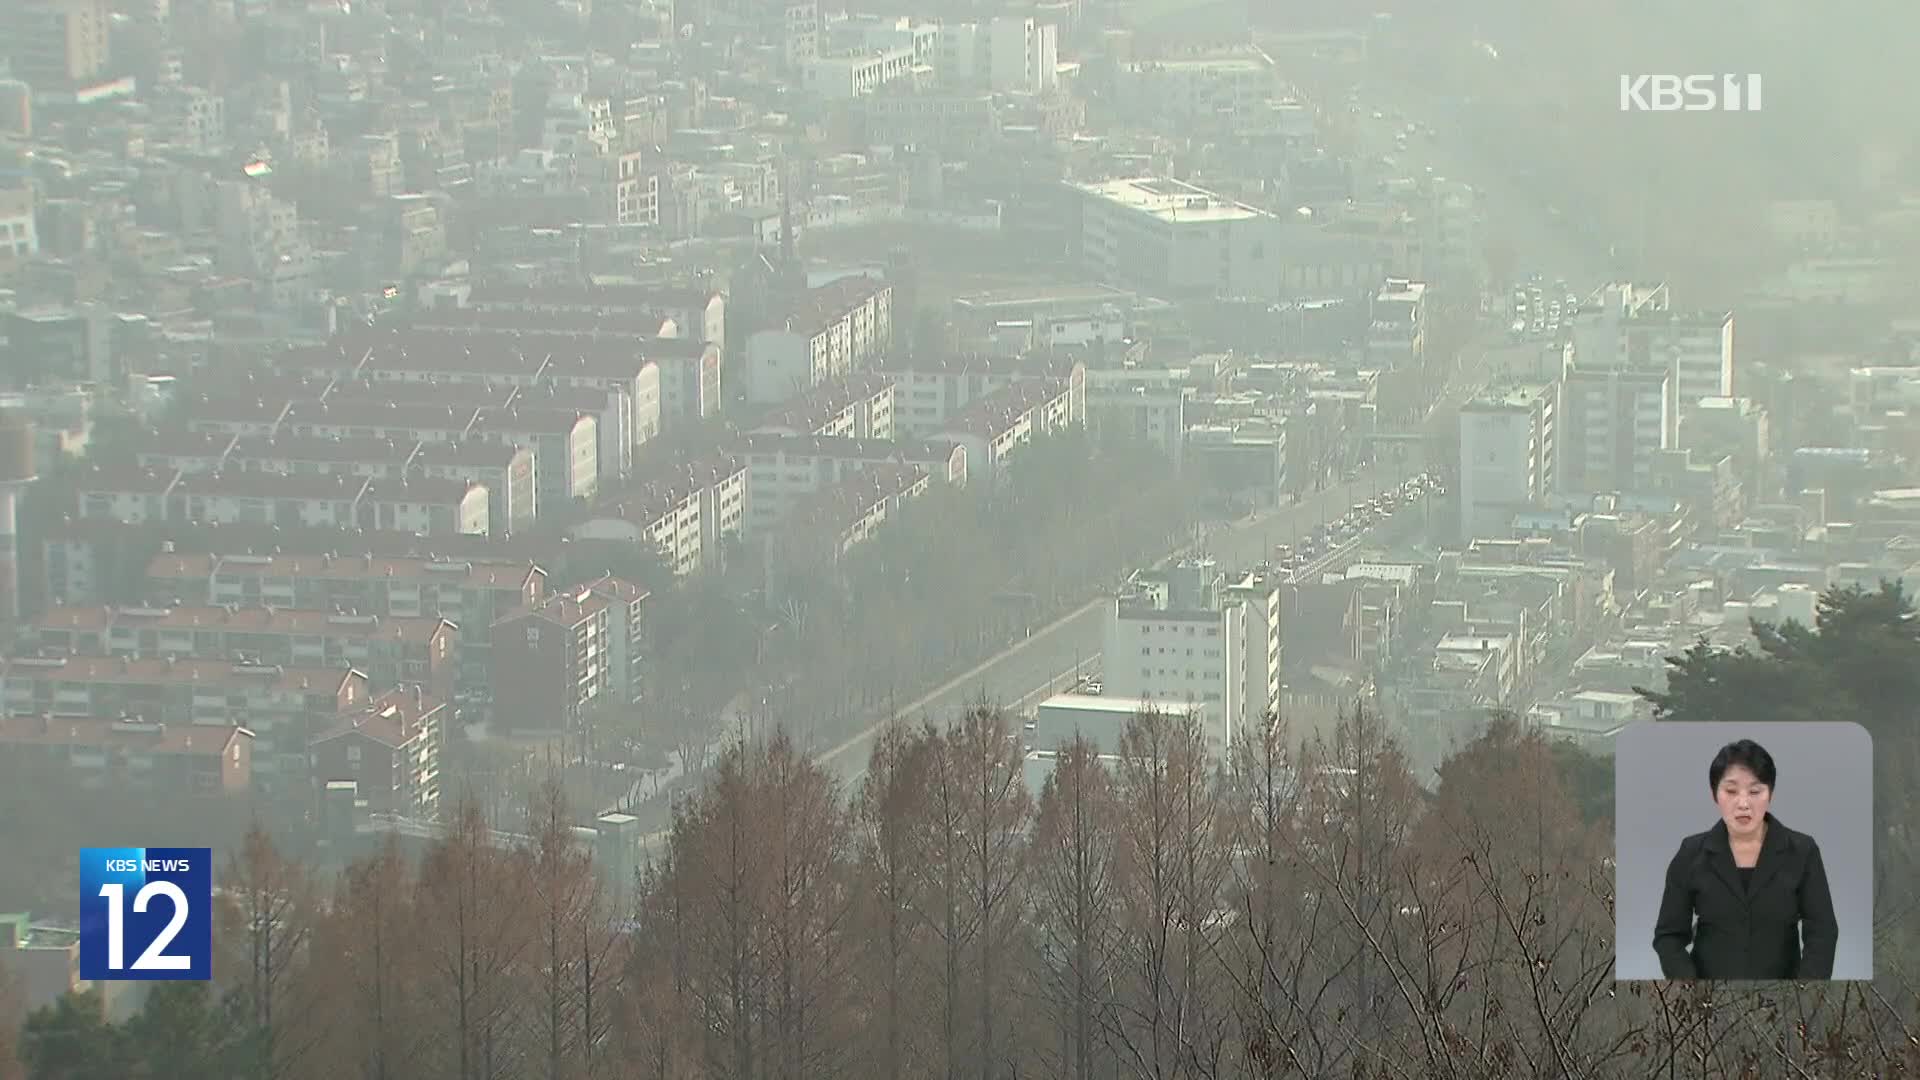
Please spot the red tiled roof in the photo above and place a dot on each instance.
(572, 323)
(926, 452)
(392, 719)
(1002, 409)
(250, 452)
(196, 740)
(814, 409)
(841, 505)
(266, 484)
(108, 669)
(246, 620)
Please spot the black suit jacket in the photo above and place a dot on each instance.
(1711, 927)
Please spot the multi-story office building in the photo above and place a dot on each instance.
(1507, 456)
(1635, 327)
(1193, 634)
(1614, 424)
(1169, 236)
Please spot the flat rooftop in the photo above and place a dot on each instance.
(1119, 706)
(1171, 200)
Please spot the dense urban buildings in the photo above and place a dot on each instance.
(420, 417)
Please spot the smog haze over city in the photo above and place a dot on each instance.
(817, 539)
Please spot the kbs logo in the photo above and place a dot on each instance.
(1690, 93)
(146, 913)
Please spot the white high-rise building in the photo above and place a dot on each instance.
(1397, 326)
(1192, 634)
(1613, 425)
(1507, 456)
(1634, 327)
(1023, 56)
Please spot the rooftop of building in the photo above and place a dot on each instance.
(78, 670)
(129, 734)
(237, 619)
(1173, 201)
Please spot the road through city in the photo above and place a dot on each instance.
(1048, 659)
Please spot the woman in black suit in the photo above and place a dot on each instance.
(1747, 899)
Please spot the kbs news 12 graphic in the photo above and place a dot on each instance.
(146, 913)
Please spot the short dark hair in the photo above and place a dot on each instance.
(1746, 753)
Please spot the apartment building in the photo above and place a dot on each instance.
(509, 473)
(859, 406)
(1144, 404)
(426, 506)
(784, 471)
(1508, 455)
(574, 652)
(131, 753)
(388, 650)
(1194, 634)
(1614, 424)
(465, 372)
(688, 311)
(689, 365)
(283, 707)
(471, 594)
(824, 526)
(566, 451)
(291, 500)
(58, 46)
(390, 748)
(682, 510)
(930, 392)
(826, 334)
(994, 428)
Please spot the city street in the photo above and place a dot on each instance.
(1047, 661)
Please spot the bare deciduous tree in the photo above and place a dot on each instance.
(266, 918)
(886, 808)
(366, 950)
(997, 809)
(1075, 862)
(1169, 1022)
(472, 927)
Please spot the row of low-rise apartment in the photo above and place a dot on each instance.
(823, 527)
(429, 507)
(296, 681)
(773, 469)
(469, 593)
(390, 650)
(564, 441)
(612, 348)
(826, 334)
(685, 510)
(505, 470)
(284, 707)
